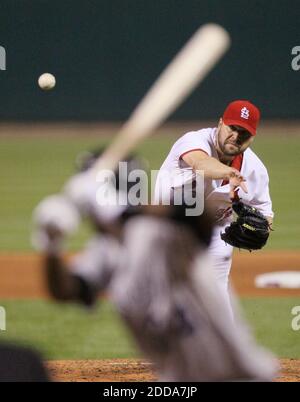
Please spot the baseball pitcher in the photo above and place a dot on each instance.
(234, 179)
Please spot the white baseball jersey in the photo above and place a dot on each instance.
(250, 166)
(159, 278)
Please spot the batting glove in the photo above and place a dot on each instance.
(54, 218)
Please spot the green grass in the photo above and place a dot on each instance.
(271, 320)
(69, 332)
(33, 167)
(281, 155)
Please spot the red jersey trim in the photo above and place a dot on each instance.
(236, 163)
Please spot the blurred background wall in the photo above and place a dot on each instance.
(106, 53)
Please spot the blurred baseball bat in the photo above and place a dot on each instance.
(189, 67)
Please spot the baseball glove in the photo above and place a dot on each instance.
(251, 229)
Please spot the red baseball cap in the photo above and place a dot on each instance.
(242, 113)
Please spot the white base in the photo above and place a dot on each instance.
(279, 279)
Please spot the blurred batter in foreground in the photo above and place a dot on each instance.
(153, 261)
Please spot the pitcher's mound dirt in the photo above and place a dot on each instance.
(131, 370)
(101, 370)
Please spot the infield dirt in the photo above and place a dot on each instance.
(30, 283)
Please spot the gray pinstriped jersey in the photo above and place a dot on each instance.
(162, 283)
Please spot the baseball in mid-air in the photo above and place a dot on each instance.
(47, 81)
